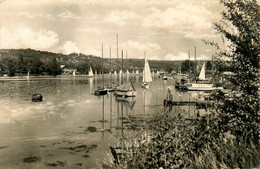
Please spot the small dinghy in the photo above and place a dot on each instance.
(37, 98)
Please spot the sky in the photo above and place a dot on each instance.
(166, 29)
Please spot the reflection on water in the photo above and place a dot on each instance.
(68, 109)
(91, 85)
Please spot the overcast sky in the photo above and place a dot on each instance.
(165, 30)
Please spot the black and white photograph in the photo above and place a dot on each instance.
(133, 84)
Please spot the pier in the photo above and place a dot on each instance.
(199, 103)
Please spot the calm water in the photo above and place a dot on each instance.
(51, 129)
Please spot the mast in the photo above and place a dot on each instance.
(122, 67)
(195, 63)
(126, 63)
(144, 65)
(102, 67)
(110, 67)
(189, 63)
(117, 57)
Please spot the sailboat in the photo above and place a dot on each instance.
(110, 87)
(164, 77)
(137, 72)
(158, 73)
(121, 72)
(147, 77)
(101, 91)
(90, 73)
(115, 72)
(127, 72)
(126, 90)
(74, 72)
(202, 84)
(202, 75)
(28, 75)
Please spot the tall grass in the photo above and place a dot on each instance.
(171, 141)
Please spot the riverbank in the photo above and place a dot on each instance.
(170, 140)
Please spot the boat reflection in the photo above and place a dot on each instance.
(137, 79)
(126, 101)
(90, 85)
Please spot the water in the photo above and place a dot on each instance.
(51, 130)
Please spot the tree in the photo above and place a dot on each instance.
(53, 68)
(208, 65)
(9, 65)
(187, 66)
(234, 122)
(241, 113)
(37, 66)
(83, 67)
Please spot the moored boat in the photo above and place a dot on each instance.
(202, 84)
(203, 87)
(90, 73)
(147, 77)
(28, 75)
(103, 90)
(126, 90)
(137, 72)
(100, 91)
(164, 77)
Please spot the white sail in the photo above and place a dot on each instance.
(137, 72)
(74, 72)
(90, 73)
(147, 77)
(127, 72)
(28, 75)
(95, 72)
(120, 72)
(115, 72)
(202, 72)
(158, 73)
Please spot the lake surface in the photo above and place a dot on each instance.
(53, 133)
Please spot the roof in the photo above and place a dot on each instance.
(125, 87)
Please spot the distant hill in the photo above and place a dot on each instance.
(81, 62)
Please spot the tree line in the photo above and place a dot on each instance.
(12, 66)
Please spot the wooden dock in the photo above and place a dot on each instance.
(198, 103)
(186, 103)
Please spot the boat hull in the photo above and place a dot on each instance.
(190, 88)
(164, 78)
(100, 92)
(125, 93)
(37, 98)
(145, 85)
(110, 89)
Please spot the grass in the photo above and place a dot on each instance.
(171, 141)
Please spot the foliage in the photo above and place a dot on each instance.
(8, 65)
(35, 66)
(187, 66)
(208, 65)
(172, 141)
(25, 58)
(53, 68)
(240, 26)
